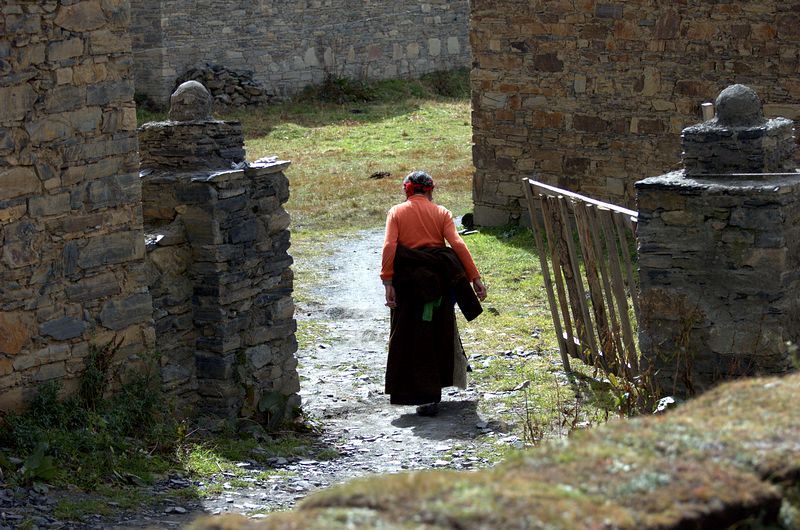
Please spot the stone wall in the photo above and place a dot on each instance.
(290, 44)
(207, 286)
(591, 96)
(70, 196)
(221, 283)
(718, 264)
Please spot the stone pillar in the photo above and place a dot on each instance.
(221, 276)
(719, 251)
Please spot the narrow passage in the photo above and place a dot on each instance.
(342, 389)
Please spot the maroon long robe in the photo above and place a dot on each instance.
(421, 352)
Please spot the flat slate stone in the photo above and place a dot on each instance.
(110, 249)
(121, 313)
(64, 328)
(214, 367)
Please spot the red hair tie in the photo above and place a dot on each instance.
(412, 188)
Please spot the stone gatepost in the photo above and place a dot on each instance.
(719, 251)
(220, 271)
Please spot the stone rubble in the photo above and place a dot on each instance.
(228, 88)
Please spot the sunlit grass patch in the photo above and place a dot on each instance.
(311, 332)
(516, 315)
(513, 348)
(205, 461)
(332, 163)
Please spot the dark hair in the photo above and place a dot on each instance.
(418, 182)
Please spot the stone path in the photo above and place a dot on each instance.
(342, 390)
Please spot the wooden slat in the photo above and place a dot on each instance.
(632, 293)
(546, 189)
(617, 351)
(590, 262)
(567, 275)
(548, 283)
(571, 278)
(577, 277)
(633, 287)
(617, 285)
(594, 213)
(553, 242)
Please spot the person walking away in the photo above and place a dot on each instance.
(423, 278)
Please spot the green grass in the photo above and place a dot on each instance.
(516, 313)
(333, 159)
(74, 510)
(113, 448)
(221, 454)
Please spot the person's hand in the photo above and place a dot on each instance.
(480, 289)
(391, 301)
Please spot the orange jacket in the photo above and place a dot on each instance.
(417, 223)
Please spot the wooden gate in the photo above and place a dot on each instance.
(591, 286)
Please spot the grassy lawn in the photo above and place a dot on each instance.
(334, 158)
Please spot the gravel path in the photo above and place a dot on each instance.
(342, 391)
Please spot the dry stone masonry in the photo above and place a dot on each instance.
(219, 271)
(719, 251)
(207, 287)
(288, 45)
(70, 197)
(70, 214)
(591, 96)
(739, 139)
(191, 139)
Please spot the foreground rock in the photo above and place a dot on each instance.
(729, 457)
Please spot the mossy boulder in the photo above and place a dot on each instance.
(728, 458)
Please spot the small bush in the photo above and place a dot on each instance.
(145, 102)
(341, 90)
(338, 90)
(448, 83)
(91, 437)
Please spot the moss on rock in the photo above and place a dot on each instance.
(730, 456)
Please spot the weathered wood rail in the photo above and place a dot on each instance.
(590, 283)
